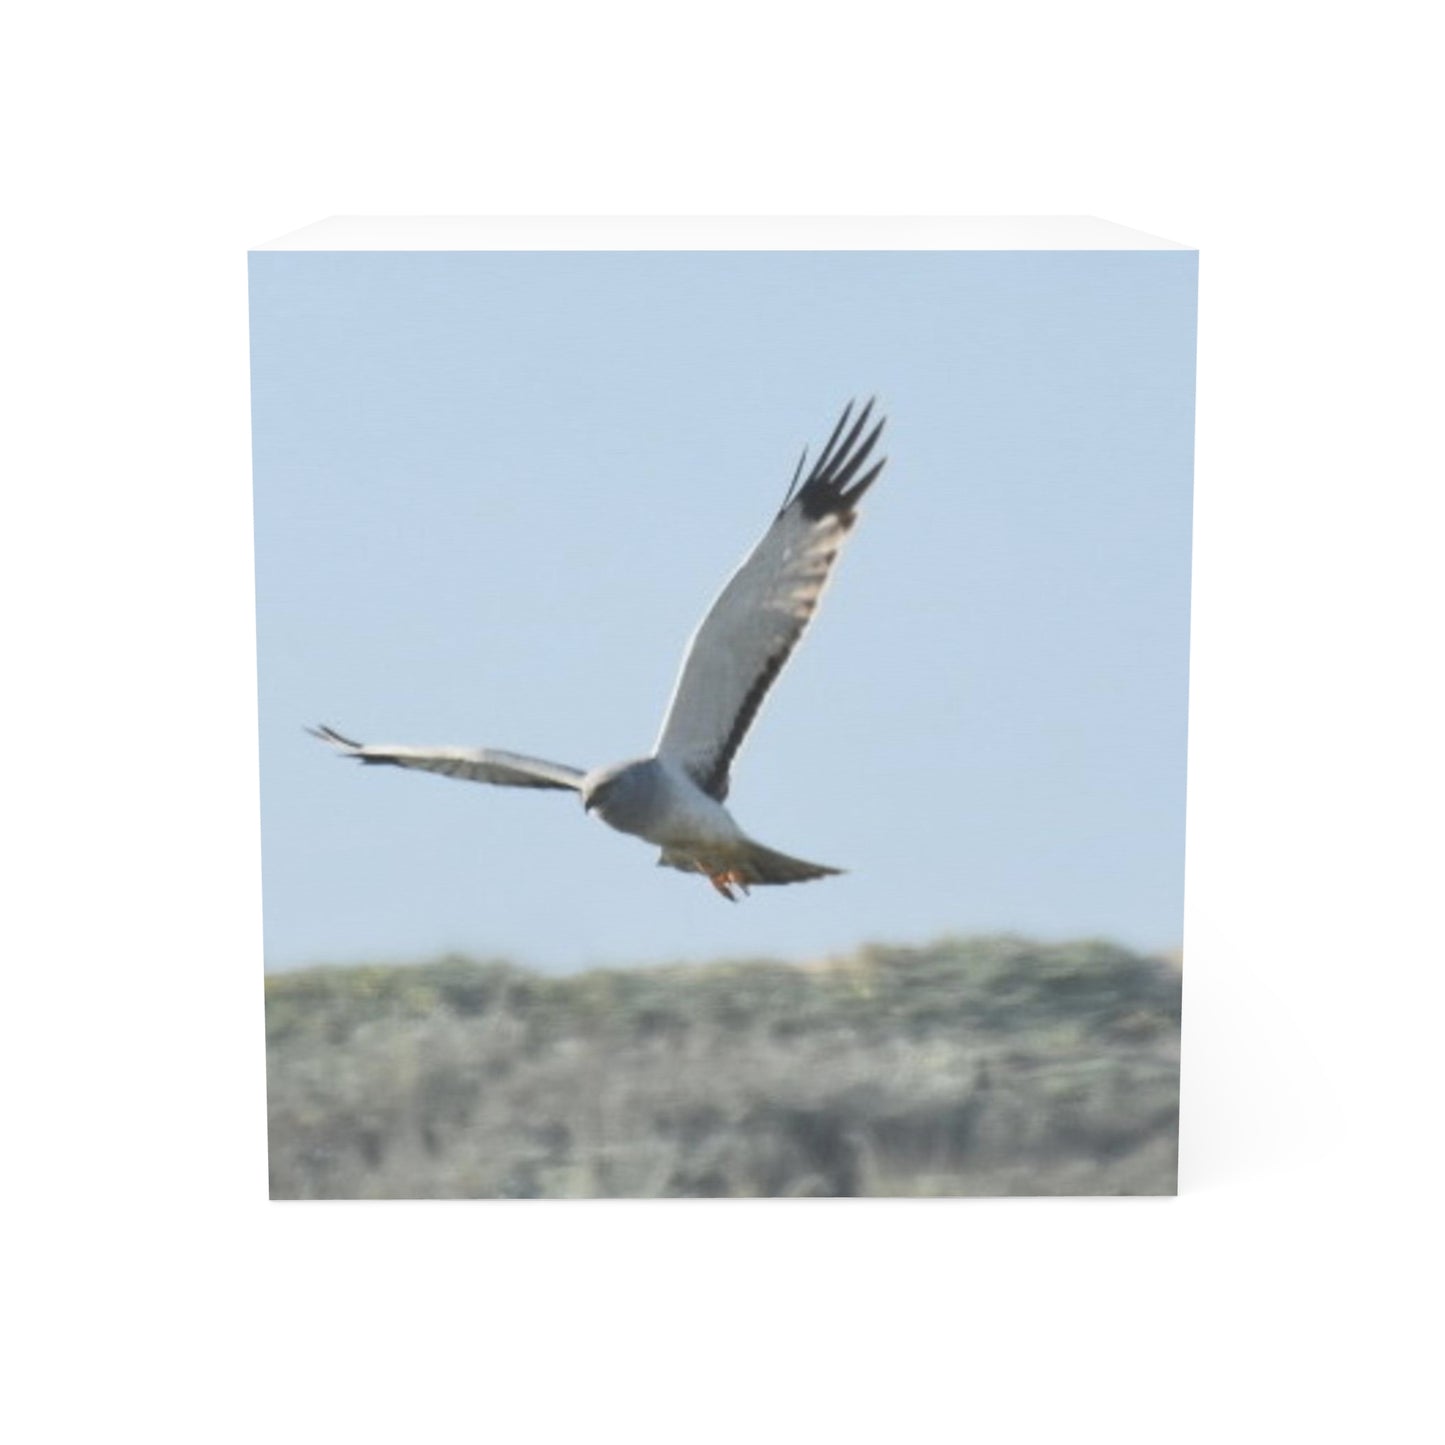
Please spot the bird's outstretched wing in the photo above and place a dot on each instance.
(757, 619)
(476, 765)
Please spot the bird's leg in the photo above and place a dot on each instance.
(720, 881)
(727, 880)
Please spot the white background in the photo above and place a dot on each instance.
(1291, 1292)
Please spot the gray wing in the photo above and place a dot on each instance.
(751, 629)
(476, 765)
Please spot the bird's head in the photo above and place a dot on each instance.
(598, 785)
(621, 793)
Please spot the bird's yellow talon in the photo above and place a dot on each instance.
(727, 880)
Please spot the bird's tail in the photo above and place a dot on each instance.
(758, 865)
(765, 865)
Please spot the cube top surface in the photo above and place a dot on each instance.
(718, 233)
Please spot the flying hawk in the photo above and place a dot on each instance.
(674, 797)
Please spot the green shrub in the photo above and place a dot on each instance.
(969, 1065)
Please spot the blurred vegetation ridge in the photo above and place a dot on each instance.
(975, 1066)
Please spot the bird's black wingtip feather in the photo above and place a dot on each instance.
(330, 735)
(797, 475)
(827, 490)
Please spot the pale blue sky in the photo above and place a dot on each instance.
(495, 493)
